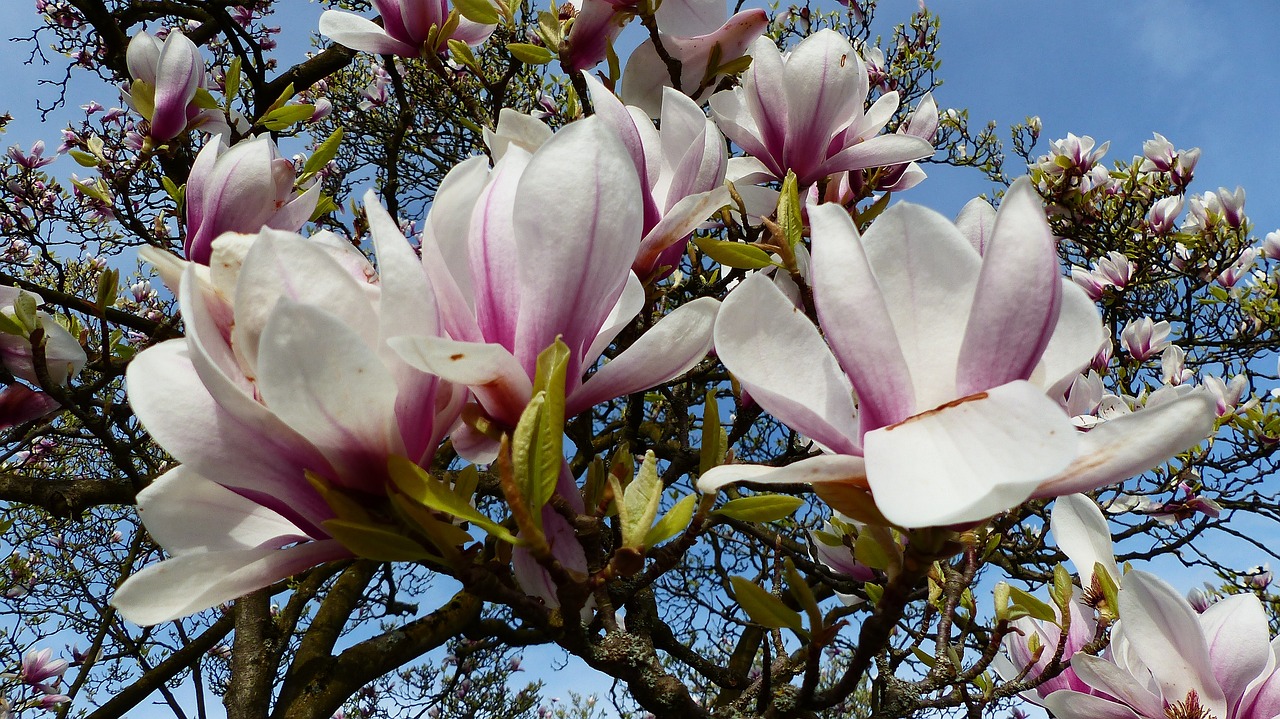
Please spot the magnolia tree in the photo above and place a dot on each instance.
(636, 360)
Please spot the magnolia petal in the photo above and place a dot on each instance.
(19, 403)
(1083, 535)
(326, 382)
(1110, 679)
(1163, 632)
(296, 212)
(189, 583)
(778, 356)
(358, 33)
(690, 17)
(186, 512)
(1236, 630)
(968, 459)
(179, 72)
(823, 468)
(821, 78)
(182, 416)
(1067, 704)
(976, 221)
(494, 253)
(669, 349)
(405, 307)
(611, 110)
(516, 128)
(676, 225)
(878, 151)
(1018, 298)
(448, 227)
(1133, 443)
(568, 283)
(857, 319)
(142, 56)
(492, 373)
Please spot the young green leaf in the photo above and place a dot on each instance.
(762, 607)
(640, 502)
(672, 523)
(761, 507)
(734, 254)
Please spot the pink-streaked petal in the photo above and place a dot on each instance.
(878, 151)
(1113, 681)
(494, 256)
(594, 29)
(187, 513)
(1018, 299)
(764, 99)
(178, 73)
(1133, 443)
(193, 582)
(968, 459)
(296, 212)
(142, 57)
(669, 349)
(926, 272)
(358, 33)
(182, 416)
(823, 468)
(326, 382)
(611, 110)
(569, 282)
(1164, 633)
(878, 115)
(1082, 533)
(976, 221)
(448, 227)
(858, 320)
(492, 373)
(406, 306)
(472, 33)
(676, 225)
(1074, 705)
(1237, 632)
(733, 118)
(474, 447)
(778, 356)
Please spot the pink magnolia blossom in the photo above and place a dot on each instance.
(805, 113)
(406, 25)
(537, 247)
(959, 362)
(173, 72)
(242, 188)
(39, 666)
(1164, 214)
(1166, 660)
(681, 169)
(285, 372)
(1143, 338)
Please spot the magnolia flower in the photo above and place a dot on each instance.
(805, 113)
(284, 403)
(167, 76)
(39, 666)
(681, 169)
(242, 188)
(1164, 214)
(1073, 154)
(1173, 366)
(959, 362)
(1143, 338)
(1270, 246)
(406, 27)
(694, 33)
(833, 546)
(1168, 662)
(1157, 154)
(539, 247)
(1226, 394)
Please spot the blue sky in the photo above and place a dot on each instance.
(1116, 70)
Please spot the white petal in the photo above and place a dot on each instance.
(1083, 535)
(823, 468)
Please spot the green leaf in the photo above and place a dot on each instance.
(762, 607)
(550, 30)
(733, 67)
(800, 591)
(529, 54)
(640, 503)
(174, 192)
(874, 592)
(461, 54)
(543, 453)
(205, 101)
(713, 435)
(1001, 600)
(868, 550)
(525, 458)
(1062, 589)
(285, 96)
(734, 254)
(323, 207)
(481, 11)
(672, 523)
(83, 159)
(1033, 606)
(376, 543)
(325, 152)
(414, 482)
(760, 507)
(108, 287)
(10, 326)
(789, 218)
(282, 117)
(24, 309)
(231, 82)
